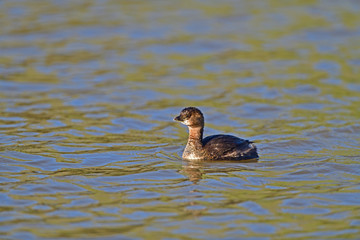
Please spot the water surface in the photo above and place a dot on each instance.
(88, 90)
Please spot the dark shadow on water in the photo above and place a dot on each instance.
(196, 170)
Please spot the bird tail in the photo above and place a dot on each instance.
(251, 152)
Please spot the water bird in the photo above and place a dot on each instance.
(215, 147)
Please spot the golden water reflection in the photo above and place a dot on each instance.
(88, 90)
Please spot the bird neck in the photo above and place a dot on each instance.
(194, 146)
(196, 134)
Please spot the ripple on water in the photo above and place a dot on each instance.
(88, 148)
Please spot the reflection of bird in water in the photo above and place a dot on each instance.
(216, 147)
(193, 171)
(196, 170)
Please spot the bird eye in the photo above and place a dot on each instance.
(187, 115)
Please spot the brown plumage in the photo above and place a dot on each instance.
(216, 147)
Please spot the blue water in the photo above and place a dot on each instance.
(88, 91)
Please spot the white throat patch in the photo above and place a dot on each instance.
(185, 122)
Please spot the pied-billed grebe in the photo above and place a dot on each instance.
(216, 147)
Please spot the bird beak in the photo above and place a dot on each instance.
(177, 119)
